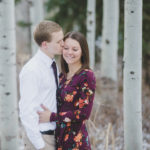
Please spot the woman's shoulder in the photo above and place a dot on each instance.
(87, 74)
(87, 78)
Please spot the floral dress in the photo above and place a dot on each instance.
(74, 104)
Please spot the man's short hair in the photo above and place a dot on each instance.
(44, 30)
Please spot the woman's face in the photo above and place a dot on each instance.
(72, 51)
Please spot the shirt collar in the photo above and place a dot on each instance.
(44, 58)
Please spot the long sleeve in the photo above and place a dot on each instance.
(83, 105)
(28, 107)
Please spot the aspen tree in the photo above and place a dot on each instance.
(133, 75)
(8, 84)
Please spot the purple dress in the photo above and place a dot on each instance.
(74, 104)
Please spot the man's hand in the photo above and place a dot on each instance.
(44, 116)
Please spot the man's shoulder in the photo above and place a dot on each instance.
(30, 67)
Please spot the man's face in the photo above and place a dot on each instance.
(55, 47)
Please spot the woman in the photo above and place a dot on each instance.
(74, 96)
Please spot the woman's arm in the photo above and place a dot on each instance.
(84, 104)
(44, 116)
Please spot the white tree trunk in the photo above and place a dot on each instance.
(133, 75)
(23, 37)
(91, 30)
(1, 11)
(110, 39)
(36, 15)
(8, 90)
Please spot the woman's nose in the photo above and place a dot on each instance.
(69, 51)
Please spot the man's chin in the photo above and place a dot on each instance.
(60, 53)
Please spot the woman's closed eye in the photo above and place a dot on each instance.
(75, 49)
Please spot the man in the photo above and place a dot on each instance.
(38, 84)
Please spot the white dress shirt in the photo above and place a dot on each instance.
(37, 86)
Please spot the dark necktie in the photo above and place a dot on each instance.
(55, 72)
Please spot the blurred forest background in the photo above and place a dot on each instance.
(106, 122)
(72, 16)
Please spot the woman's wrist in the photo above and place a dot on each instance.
(53, 117)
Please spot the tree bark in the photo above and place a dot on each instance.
(91, 30)
(110, 39)
(36, 6)
(109, 56)
(8, 89)
(132, 75)
(23, 37)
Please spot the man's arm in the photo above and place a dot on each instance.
(28, 106)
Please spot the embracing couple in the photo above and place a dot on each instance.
(55, 106)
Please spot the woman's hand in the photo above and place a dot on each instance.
(44, 116)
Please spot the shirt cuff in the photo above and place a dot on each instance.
(53, 117)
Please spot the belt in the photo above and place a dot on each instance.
(49, 132)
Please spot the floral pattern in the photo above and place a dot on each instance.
(74, 103)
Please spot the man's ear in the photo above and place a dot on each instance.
(44, 44)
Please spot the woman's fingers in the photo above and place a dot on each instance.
(38, 112)
(40, 116)
(44, 107)
(44, 116)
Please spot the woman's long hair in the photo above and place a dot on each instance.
(79, 37)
